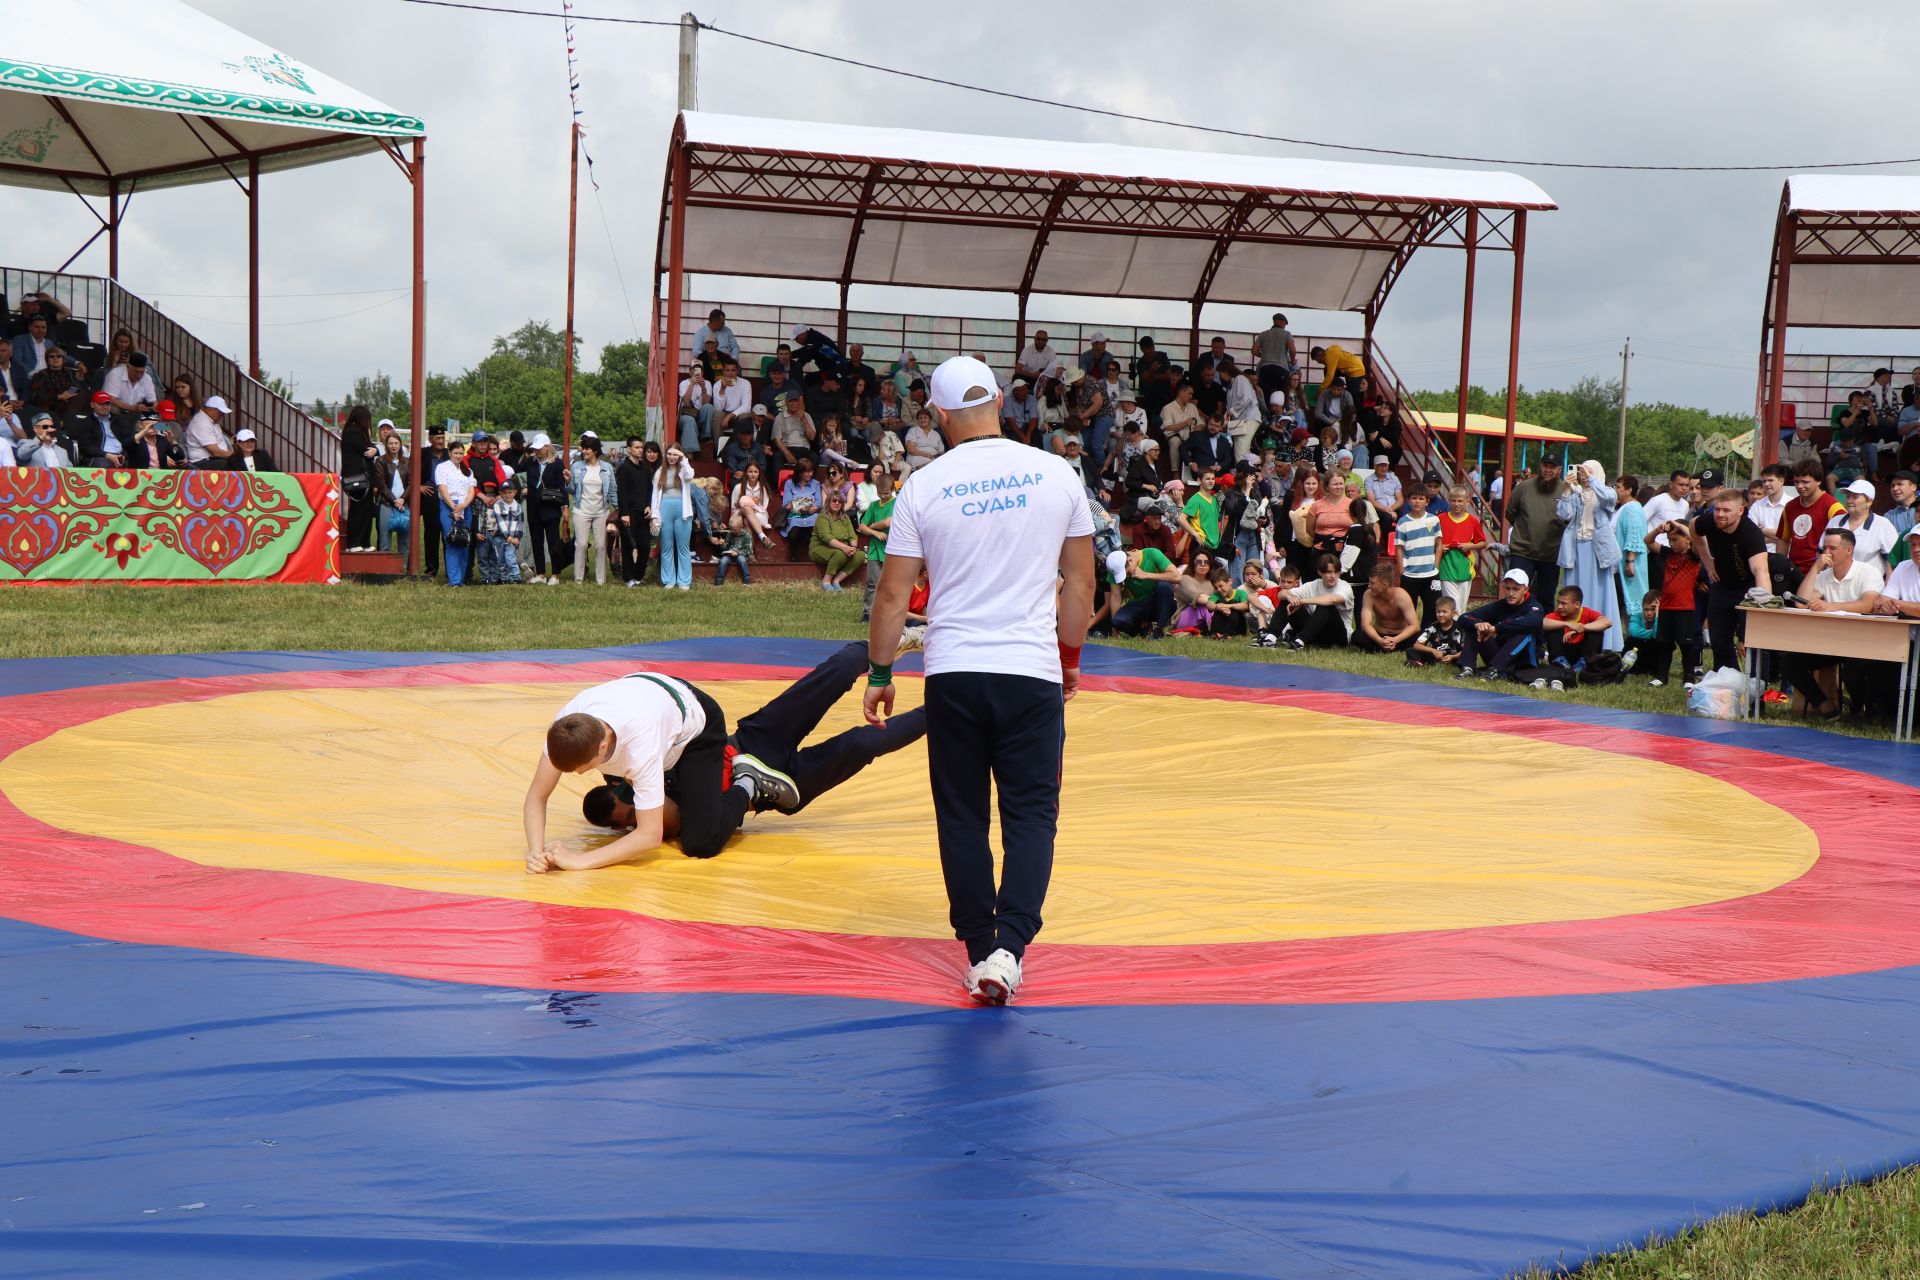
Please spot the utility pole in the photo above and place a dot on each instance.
(1626, 354)
(573, 227)
(689, 62)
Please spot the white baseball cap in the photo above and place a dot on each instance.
(217, 404)
(1278, 397)
(1017, 382)
(384, 422)
(954, 378)
(245, 433)
(1117, 565)
(1862, 487)
(539, 441)
(1515, 575)
(1096, 337)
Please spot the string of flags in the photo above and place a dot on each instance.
(573, 86)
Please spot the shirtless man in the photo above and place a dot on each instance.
(662, 745)
(1389, 620)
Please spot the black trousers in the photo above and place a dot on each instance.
(988, 731)
(636, 541)
(1725, 626)
(1317, 626)
(711, 813)
(1801, 670)
(1426, 596)
(360, 513)
(543, 531)
(1501, 653)
(1156, 610)
(1676, 627)
(1543, 576)
(429, 526)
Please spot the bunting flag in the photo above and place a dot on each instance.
(573, 86)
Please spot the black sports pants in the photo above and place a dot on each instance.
(987, 731)
(710, 813)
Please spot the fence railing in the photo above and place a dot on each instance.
(297, 440)
(1814, 384)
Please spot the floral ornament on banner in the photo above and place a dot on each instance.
(212, 517)
(122, 547)
(44, 512)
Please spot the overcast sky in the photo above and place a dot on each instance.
(1676, 260)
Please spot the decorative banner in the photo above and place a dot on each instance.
(96, 525)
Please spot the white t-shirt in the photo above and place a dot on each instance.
(1864, 578)
(202, 432)
(1904, 584)
(1344, 589)
(649, 730)
(989, 517)
(1663, 508)
(1871, 541)
(458, 484)
(1767, 512)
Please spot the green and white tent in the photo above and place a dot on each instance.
(137, 94)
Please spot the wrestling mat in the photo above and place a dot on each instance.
(1341, 977)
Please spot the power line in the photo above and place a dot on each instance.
(1215, 130)
(288, 324)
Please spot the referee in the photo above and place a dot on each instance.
(1007, 541)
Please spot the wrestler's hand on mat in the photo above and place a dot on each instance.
(540, 861)
(880, 697)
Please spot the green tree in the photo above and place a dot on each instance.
(537, 344)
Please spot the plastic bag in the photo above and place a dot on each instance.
(1724, 694)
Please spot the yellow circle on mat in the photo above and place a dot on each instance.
(1183, 820)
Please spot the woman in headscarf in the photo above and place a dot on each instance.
(1630, 535)
(1589, 553)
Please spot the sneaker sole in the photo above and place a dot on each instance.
(990, 992)
(756, 765)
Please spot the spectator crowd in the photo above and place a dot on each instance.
(66, 403)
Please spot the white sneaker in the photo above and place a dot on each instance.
(1655, 683)
(912, 639)
(995, 979)
(1558, 686)
(1540, 683)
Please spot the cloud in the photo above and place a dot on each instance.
(1678, 261)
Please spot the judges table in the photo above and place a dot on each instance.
(1841, 635)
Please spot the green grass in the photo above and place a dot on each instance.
(1865, 1232)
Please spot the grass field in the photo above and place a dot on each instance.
(1866, 1232)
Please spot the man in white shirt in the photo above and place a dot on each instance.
(130, 386)
(1243, 406)
(47, 447)
(1039, 364)
(1017, 412)
(1837, 583)
(1873, 535)
(1901, 596)
(1774, 483)
(206, 440)
(732, 396)
(696, 409)
(1005, 537)
(30, 348)
(662, 743)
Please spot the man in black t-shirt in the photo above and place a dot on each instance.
(1733, 558)
(1207, 391)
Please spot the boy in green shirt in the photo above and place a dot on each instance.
(1202, 514)
(873, 526)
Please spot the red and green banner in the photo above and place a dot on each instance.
(89, 525)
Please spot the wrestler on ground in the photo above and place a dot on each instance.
(663, 745)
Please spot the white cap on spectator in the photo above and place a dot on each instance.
(539, 441)
(1127, 396)
(799, 329)
(244, 433)
(1017, 382)
(1862, 487)
(1117, 565)
(384, 422)
(1277, 399)
(1096, 337)
(217, 404)
(760, 410)
(1516, 575)
(955, 378)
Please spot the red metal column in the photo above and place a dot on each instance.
(1769, 447)
(573, 228)
(676, 259)
(1513, 355)
(842, 323)
(253, 267)
(1020, 331)
(113, 229)
(1193, 347)
(419, 392)
(1466, 347)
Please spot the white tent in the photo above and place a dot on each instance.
(215, 99)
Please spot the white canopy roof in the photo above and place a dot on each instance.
(156, 93)
(1855, 252)
(905, 207)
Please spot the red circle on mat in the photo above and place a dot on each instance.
(1853, 911)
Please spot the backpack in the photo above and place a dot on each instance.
(1602, 668)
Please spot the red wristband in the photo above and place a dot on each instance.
(1069, 656)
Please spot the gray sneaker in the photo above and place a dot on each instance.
(772, 789)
